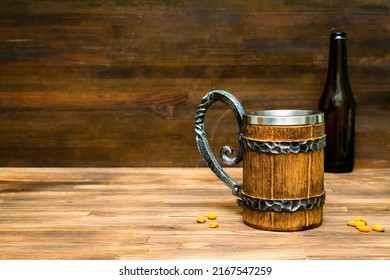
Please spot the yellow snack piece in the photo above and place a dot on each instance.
(361, 223)
(378, 227)
(213, 224)
(352, 223)
(201, 219)
(364, 228)
(212, 216)
(360, 219)
(357, 222)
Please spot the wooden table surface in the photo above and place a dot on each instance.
(149, 213)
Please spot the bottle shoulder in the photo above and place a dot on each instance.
(337, 98)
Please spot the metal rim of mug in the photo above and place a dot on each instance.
(284, 117)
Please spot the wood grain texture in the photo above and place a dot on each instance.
(150, 213)
(117, 83)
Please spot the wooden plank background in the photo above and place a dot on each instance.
(117, 83)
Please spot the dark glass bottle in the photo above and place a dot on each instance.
(338, 104)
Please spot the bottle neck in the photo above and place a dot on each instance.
(338, 65)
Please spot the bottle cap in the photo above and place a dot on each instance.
(338, 35)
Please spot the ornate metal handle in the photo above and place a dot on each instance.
(203, 145)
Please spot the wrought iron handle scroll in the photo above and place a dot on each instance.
(204, 148)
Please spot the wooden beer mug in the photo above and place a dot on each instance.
(283, 164)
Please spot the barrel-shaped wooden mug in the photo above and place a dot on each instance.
(283, 164)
